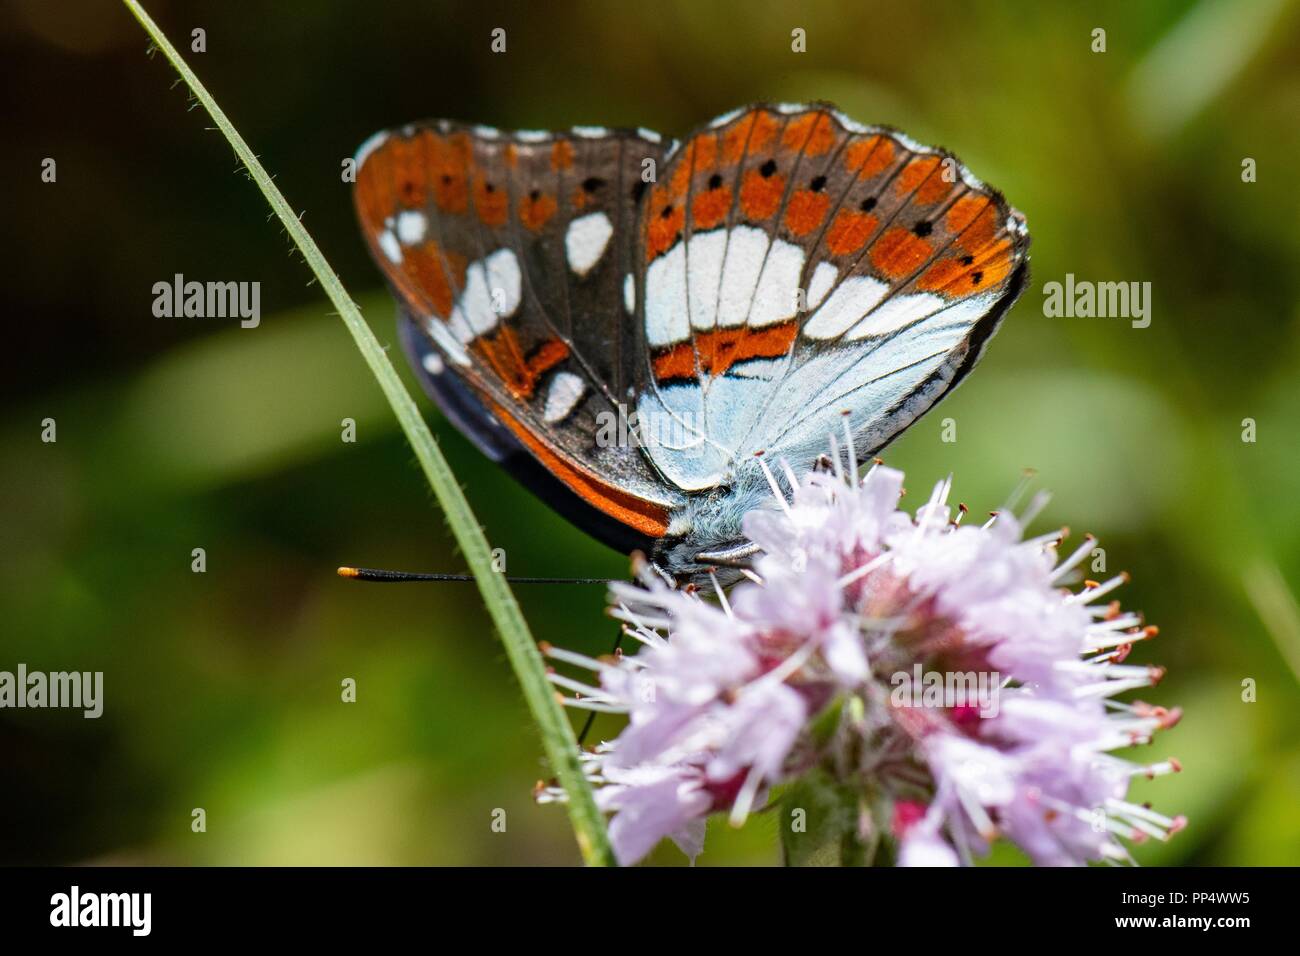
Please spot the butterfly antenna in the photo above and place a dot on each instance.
(400, 577)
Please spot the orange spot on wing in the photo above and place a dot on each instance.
(699, 155)
(705, 154)
(964, 211)
(899, 252)
(394, 175)
(940, 275)
(711, 207)
(923, 177)
(681, 178)
(645, 516)
(536, 212)
(805, 211)
(814, 133)
(450, 173)
(990, 267)
(373, 193)
(739, 345)
(958, 276)
(756, 128)
(561, 155)
(677, 362)
(434, 275)
(720, 349)
(410, 169)
(981, 229)
(490, 201)
(850, 231)
(761, 195)
(662, 230)
(518, 372)
(869, 157)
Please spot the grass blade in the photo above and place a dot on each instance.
(557, 734)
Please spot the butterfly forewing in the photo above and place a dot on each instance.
(511, 252)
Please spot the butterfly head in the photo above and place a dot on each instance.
(706, 538)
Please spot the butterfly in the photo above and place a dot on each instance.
(632, 326)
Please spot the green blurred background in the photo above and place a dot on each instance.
(223, 689)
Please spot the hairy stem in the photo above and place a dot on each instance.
(557, 734)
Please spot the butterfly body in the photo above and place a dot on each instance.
(635, 327)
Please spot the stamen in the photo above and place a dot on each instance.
(850, 450)
(790, 476)
(835, 459)
(1052, 538)
(776, 488)
(861, 572)
(1095, 590)
(1076, 556)
(578, 687)
(570, 657)
(745, 798)
(1035, 508)
(722, 597)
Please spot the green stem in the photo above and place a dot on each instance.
(557, 734)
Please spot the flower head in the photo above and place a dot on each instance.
(942, 669)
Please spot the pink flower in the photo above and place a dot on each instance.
(855, 604)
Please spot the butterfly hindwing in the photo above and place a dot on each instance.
(799, 266)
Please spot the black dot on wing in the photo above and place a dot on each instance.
(767, 169)
(923, 228)
(715, 181)
(446, 178)
(818, 184)
(533, 195)
(967, 260)
(667, 211)
(490, 188)
(868, 204)
(592, 183)
(976, 278)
